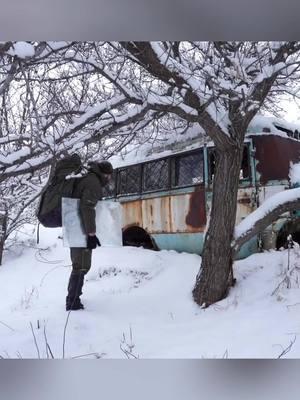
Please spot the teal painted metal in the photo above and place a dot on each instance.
(182, 242)
(248, 248)
(193, 243)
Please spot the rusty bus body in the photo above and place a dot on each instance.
(166, 199)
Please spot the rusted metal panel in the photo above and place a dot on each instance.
(131, 213)
(167, 214)
(156, 214)
(196, 218)
(273, 154)
(245, 203)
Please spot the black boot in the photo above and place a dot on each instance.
(74, 291)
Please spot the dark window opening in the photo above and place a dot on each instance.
(294, 134)
(245, 165)
(156, 175)
(189, 169)
(129, 180)
(211, 164)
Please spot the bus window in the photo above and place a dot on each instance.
(129, 180)
(189, 169)
(245, 166)
(156, 175)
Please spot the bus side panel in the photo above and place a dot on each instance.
(132, 213)
(183, 242)
(245, 203)
(176, 213)
(273, 154)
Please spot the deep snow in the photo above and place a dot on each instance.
(139, 301)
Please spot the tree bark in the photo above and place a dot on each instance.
(3, 227)
(215, 275)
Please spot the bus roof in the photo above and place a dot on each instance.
(260, 125)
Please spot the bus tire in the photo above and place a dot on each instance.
(138, 237)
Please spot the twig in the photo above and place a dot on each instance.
(66, 324)
(127, 353)
(7, 355)
(288, 348)
(43, 259)
(48, 348)
(65, 331)
(225, 355)
(36, 345)
(130, 346)
(97, 355)
(51, 270)
(7, 326)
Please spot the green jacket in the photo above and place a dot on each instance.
(89, 190)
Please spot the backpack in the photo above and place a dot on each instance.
(60, 185)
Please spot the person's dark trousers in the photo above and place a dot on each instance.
(81, 263)
(75, 291)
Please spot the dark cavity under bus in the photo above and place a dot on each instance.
(166, 198)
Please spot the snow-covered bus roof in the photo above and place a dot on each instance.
(264, 125)
(194, 139)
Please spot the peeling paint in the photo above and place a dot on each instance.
(273, 155)
(196, 217)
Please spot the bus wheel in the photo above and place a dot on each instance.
(290, 228)
(138, 237)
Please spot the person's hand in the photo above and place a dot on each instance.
(92, 242)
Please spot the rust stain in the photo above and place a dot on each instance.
(196, 216)
(244, 200)
(274, 154)
(169, 215)
(132, 212)
(151, 210)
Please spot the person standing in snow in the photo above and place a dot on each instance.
(89, 191)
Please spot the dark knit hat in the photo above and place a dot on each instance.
(105, 167)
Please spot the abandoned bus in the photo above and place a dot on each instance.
(166, 197)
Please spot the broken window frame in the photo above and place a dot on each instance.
(145, 189)
(171, 181)
(118, 182)
(176, 165)
(242, 180)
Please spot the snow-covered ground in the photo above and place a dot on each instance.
(139, 304)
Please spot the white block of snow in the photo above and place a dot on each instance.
(294, 174)
(108, 223)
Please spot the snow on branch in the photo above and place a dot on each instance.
(73, 138)
(264, 215)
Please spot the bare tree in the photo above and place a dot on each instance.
(224, 85)
(63, 97)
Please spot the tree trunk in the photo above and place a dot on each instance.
(3, 227)
(215, 275)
